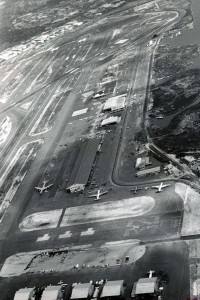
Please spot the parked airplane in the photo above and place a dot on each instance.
(151, 273)
(99, 193)
(160, 187)
(44, 187)
(135, 189)
(146, 188)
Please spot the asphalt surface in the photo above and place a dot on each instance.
(67, 69)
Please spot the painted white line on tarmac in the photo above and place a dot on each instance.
(43, 238)
(90, 231)
(67, 234)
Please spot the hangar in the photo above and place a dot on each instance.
(52, 293)
(82, 291)
(83, 165)
(111, 120)
(146, 286)
(113, 289)
(149, 171)
(24, 294)
(115, 103)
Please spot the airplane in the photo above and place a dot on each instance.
(44, 187)
(160, 187)
(151, 273)
(135, 189)
(146, 188)
(99, 193)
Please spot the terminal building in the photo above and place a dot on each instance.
(83, 165)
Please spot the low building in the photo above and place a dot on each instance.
(146, 286)
(142, 162)
(149, 171)
(53, 292)
(111, 120)
(115, 103)
(83, 165)
(25, 294)
(113, 289)
(82, 291)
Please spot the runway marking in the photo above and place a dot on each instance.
(48, 104)
(90, 231)
(48, 64)
(25, 77)
(87, 53)
(43, 238)
(13, 160)
(121, 41)
(67, 234)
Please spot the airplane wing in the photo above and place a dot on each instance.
(165, 185)
(38, 189)
(92, 196)
(103, 193)
(48, 186)
(156, 186)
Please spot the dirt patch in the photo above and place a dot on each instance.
(175, 96)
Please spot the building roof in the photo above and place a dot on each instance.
(51, 292)
(23, 294)
(141, 162)
(79, 112)
(146, 285)
(148, 171)
(112, 288)
(82, 291)
(110, 120)
(84, 162)
(115, 103)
